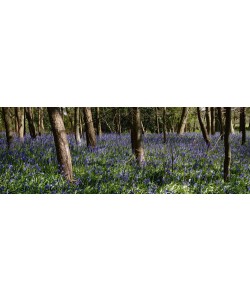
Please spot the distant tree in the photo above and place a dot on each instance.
(183, 120)
(98, 122)
(90, 130)
(136, 136)
(61, 143)
(203, 128)
(212, 120)
(31, 123)
(208, 120)
(220, 118)
(243, 124)
(227, 159)
(6, 111)
(77, 125)
(157, 120)
(164, 125)
(19, 113)
(40, 120)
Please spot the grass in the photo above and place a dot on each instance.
(182, 165)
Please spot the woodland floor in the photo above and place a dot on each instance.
(182, 165)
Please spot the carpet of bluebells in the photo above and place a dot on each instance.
(183, 165)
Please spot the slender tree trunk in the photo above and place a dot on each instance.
(157, 120)
(231, 127)
(8, 125)
(119, 121)
(90, 130)
(243, 124)
(164, 126)
(80, 122)
(61, 143)
(212, 120)
(219, 110)
(183, 120)
(142, 128)
(132, 131)
(208, 120)
(203, 128)
(137, 136)
(98, 122)
(29, 115)
(40, 121)
(19, 112)
(77, 126)
(227, 160)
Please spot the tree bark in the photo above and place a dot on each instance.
(90, 130)
(243, 124)
(219, 110)
(203, 128)
(29, 115)
(19, 112)
(8, 125)
(77, 126)
(164, 126)
(137, 136)
(183, 120)
(208, 120)
(227, 159)
(98, 122)
(61, 143)
(212, 120)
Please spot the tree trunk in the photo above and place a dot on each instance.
(137, 136)
(203, 128)
(219, 110)
(157, 120)
(29, 115)
(208, 120)
(164, 126)
(227, 159)
(119, 121)
(243, 124)
(19, 112)
(212, 120)
(183, 120)
(40, 121)
(77, 126)
(231, 127)
(61, 143)
(8, 125)
(98, 122)
(90, 130)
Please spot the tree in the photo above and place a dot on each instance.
(8, 125)
(227, 159)
(19, 113)
(136, 136)
(164, 125)
(243, 124)
(77, 126)
(30, 118)
(203, 128)
(183, 120)
(98, 122)
(40, 121)
(212, 120)
(61, 143)
(90, 130)
(208, 120)
(219, 110)
(157, 120)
